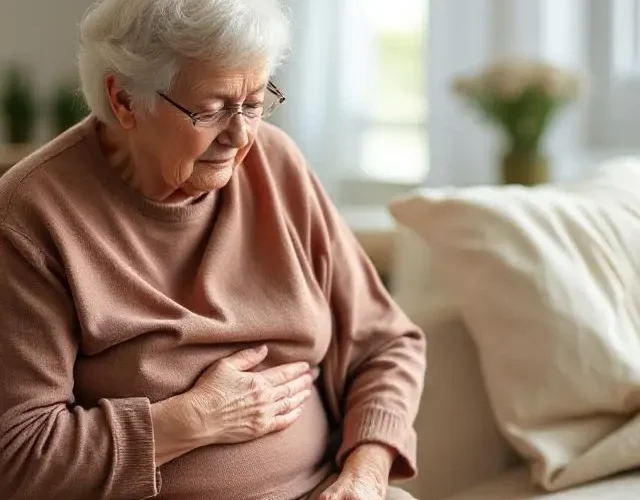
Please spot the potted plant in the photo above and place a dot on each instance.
(521, 97)
(18, 102)
(68, 107)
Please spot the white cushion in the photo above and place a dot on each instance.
(416, 280)
(515, 485)
(548, 282)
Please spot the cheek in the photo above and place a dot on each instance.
(185, 148)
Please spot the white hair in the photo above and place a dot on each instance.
(144, 43)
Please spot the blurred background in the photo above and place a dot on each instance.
(369, 85)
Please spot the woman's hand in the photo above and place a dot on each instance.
(365, 475)
(229, 405)
(234, 405)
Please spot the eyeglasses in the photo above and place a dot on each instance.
(205, 119)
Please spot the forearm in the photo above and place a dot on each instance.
(99, 453)
(49, 446)
(380, 357)
(382, 402)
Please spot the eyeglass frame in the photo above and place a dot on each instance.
(238, 109)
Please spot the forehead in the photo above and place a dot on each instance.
(202, 79)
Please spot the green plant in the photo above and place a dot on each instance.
(18, 101)
(68, 107)
(521, 97)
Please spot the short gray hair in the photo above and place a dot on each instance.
(144, 43)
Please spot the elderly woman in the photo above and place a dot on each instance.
(183, 314)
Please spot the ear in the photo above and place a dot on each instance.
(120, 102)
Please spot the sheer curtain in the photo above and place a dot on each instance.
(310, 79)
(334, 72)
(339, 110)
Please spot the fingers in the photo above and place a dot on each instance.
(292, 388)
(247, 358)
(280, 415)
(284, 373)
(287, 405)
(281, 422)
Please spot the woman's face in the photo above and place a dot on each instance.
(176, 160)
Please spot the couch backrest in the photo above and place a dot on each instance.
(459, 443)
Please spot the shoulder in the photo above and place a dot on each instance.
(282, 165)
(279, 151)
(277, 155)
(37, 184)
(275, 158)
(274, 139)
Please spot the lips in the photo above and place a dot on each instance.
(217, 162)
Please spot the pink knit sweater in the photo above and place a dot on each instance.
(110, 302)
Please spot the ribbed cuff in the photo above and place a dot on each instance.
(375, 424)
(134, 471)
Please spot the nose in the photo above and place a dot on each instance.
(235, 134)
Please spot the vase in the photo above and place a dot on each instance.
(525, 167)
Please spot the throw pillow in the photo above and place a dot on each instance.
(548, 281)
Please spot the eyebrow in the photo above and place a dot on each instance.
(226, 96)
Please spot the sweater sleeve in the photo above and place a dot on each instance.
(375, 366)
(50, 447)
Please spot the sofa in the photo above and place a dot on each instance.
(463, 454)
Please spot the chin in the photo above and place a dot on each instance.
(211, 181)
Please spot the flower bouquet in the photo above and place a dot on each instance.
(522, 98)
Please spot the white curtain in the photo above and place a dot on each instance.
(326, 76)
(327, 79)
(310, 79)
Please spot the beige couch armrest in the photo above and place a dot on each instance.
(459, 444)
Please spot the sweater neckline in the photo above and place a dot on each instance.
(170, 212)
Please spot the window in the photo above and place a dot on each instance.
(613, 37)
(385, 85)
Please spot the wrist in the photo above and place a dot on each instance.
(174, 432)
(371, 456)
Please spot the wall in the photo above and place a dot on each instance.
(43, 35)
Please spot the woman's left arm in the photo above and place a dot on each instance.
(374, 370)
(379, 358)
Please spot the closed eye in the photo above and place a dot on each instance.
(207, 116)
